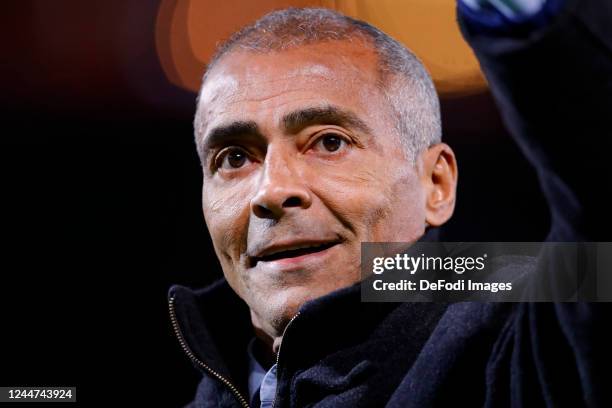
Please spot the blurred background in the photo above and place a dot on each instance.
(100, 181)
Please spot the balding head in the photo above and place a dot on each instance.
(402, 78)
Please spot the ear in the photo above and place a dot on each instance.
(439, 179)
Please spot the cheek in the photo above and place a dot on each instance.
(379, 203)
(406, 216)
(226, 212)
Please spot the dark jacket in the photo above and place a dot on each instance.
(554, 90)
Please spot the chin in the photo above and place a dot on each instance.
(280, 307)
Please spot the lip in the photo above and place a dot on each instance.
(293, 251)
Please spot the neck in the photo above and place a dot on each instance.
(263, 351)
(269, 341)
(268, 345)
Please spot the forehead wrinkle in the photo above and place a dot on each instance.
(260, 91)
(235, 80)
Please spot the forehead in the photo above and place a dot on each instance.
(246, 84)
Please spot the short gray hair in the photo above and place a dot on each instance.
(405, 82)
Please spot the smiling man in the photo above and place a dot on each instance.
(317, 132)
(305, 157)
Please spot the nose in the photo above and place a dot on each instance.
(281, 188)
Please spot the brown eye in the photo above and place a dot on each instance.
(234, 159)
(331, 143)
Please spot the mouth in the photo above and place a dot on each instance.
(291, 252)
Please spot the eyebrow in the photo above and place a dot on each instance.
(232, 131)
(329, 115)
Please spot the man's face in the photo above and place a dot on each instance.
(302, 163)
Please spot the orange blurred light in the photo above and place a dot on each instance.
(188, 31)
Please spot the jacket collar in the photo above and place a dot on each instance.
(214, 325)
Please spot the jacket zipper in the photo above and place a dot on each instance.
(278, 355)
(197, 361)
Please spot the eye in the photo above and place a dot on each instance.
(231, 158)
(331, 142)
